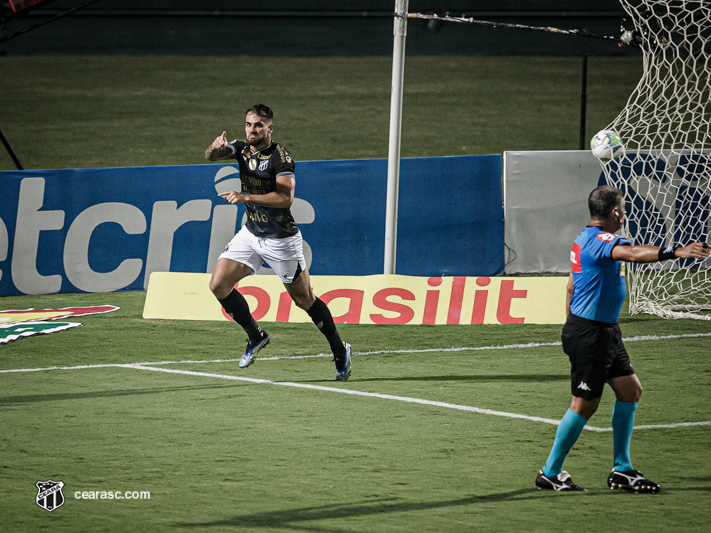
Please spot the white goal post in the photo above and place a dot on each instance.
(665, 172)
(391, 209)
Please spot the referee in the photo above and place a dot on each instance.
(593, 342)
(270, 235)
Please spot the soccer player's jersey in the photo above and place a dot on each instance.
(598, 288)
(258, 174)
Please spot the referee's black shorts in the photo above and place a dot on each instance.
(596, 354)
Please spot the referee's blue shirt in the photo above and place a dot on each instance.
(598, 288)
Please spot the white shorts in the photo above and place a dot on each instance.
(285, 256)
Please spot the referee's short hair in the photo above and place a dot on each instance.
(262, 111)
(602, 200)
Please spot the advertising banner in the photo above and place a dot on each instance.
(546, 206)
(546, 202)
(99, 230)
(378, 299)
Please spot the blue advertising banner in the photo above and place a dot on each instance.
(97, 230)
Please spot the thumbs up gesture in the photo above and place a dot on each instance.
(219, 149)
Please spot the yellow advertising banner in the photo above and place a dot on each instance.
(377, 299)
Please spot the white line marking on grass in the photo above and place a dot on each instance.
(345, 391)
(152, 367)
(406, 399)
(430, 350)
(462, 349)
(453, 349)
(423, 350)
(47, 368)
(529, 345)
(665, 337)
(672, 426)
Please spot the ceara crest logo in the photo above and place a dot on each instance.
(15, 324)
(49, 494)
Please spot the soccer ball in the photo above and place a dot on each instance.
(606, 145)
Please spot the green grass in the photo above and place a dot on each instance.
(229, 455)
(94, 111)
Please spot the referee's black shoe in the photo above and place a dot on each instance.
(561, 482)
(631, 480)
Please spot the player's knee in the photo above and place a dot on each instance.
(303, 301)
(585, 408)
(636, 392)
(219, 289)
(586, 411)
(630, 393)
(627, 388)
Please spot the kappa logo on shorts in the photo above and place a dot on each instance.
(49, 494)
(607, 237)
(584, 386)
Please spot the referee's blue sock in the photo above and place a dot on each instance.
(622, 426)
(569, 429)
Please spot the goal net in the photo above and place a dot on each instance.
(665, 172)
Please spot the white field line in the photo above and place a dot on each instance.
(346, 391)
(406, 399)
(378, 352)
(153, 366)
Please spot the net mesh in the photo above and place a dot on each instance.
(665, 172)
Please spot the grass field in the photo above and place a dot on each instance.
(127, 404)
(440, 429)
(104, 111)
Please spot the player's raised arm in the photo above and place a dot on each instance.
(697, 250)
(643, 253)
(219, 149)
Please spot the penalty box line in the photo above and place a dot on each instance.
(378, 395)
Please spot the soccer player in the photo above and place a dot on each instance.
(593, 342)
(270, 235)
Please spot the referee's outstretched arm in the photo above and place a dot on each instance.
(644, 253)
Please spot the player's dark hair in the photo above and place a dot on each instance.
(262, 111)
(602, 200)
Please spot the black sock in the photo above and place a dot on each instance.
(237, 307)
(323, 319)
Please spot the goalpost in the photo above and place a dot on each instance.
(665, 173)
(391, 208)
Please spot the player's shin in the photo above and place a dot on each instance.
(566, 436)
(237, 307)
(321, 316)
(622, 425)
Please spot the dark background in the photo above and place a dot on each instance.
(311, 28)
